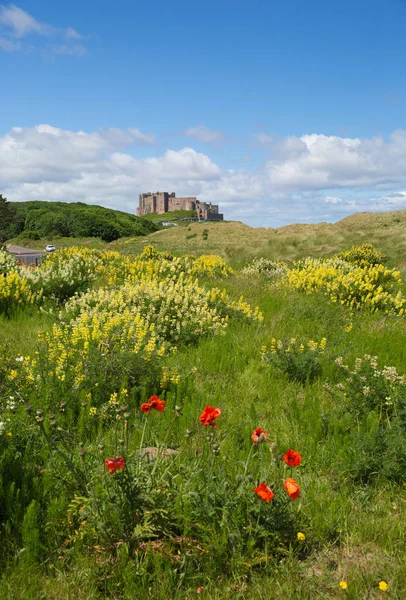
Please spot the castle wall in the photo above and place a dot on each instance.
(187, 203)
(162, 202)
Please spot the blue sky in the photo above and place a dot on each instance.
(280, 111)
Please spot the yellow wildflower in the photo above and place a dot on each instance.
(383, 586)
(343, 585)
(301, 536)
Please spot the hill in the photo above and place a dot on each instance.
(239, 243)
(170, 216)
(38, 219)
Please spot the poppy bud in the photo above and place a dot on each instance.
(226, 485)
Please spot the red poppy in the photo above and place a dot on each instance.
(156, 403)
(209, 415)
(264, 492)
(292, 488)
(113, 464)
(292, 458)
(259, 435)
(153, 402)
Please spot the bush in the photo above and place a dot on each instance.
(265, 267)
(30, 234)
(8, 262)
(371, 287)
(363, 255)
(299, 361)
(372, 408)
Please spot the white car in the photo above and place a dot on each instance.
(50, 248)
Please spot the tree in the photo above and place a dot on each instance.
(6, 218)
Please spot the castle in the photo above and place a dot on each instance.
(163, 202)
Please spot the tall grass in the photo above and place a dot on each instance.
(353, 528)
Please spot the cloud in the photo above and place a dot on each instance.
(316, 162)
(144, 138)
(204, 134)
(307, 179)
(9, 45)
(21, 23)
(16, 24)
(71, 33)
(332, 200)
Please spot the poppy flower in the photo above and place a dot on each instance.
(153, 402)
(264, 492)
(258, 435)
(292, 488)
(209, 415)
(113, 464)
(292, 458)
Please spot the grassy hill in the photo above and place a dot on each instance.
(240, 243)
(235, 241)
(38, 219)
(171, 216)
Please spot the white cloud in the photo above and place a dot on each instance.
(332, 200)
(204, 134)
(316, 162)
(73, 34)
(21, 23)
(49, 163)
(144, 138)
(16, 24)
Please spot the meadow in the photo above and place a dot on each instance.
(217, 416)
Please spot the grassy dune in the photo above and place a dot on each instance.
(239, 243)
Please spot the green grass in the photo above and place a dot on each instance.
(170, 216)
(354, 530)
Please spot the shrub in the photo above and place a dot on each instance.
(30, 234)
(64, 273)
(15, 292)
(265, 267)
(299, 361)
(364, 255)
(212, 265)
(371, 287)
(8, 262)
(372, 407)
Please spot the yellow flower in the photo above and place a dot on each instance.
(92, 411)
(343, 585)
(9, 434)
(301, 536)
(383, 586)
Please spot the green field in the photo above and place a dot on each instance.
(190, 525)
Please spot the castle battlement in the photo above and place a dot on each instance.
(163, 202)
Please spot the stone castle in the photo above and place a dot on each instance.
(163, 202)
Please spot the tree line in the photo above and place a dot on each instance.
(38, 219)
